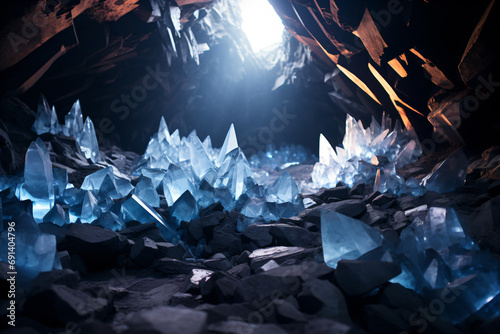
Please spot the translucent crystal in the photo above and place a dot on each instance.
(60, 176)
(185, 208)
(44, 117)
(284, 190)
(90, 208)
(57, 215)
(38, 183)
(146, 191)
(346, 238)
(163, 133)
(55, 127)
(88, 141)
(111, 221)
(230, 143)
(175, 183)
(156, 175)
(449, 175)
(73, 121)
(200, 161)
(233, 173)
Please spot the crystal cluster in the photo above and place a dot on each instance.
(436, 257)
(192, 175)
(84, 133)
(372, 155)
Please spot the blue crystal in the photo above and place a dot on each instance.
(156, 175)
(43, 121)
(449, 175)
(175, 183)
(57, 215)
(38, 183)
(88, 141)
(146, 191)
(111, 221)
(185, 208)
(60, 180)
(346, 238)
(73, 121)
(90, 208)
(230, 143)
(284, 190)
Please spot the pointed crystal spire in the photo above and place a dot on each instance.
(73, 121)
(55, 127)
(230, 143)
(163, 133)
(38, 180)
(327, 155)
(88, 141)
(200, 161)
(44, 117)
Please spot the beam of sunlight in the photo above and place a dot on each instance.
(261, 24)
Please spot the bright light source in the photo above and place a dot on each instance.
(261, 24)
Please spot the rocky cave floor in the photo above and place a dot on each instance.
(268, 279)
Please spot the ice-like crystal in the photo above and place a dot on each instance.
(175, 183)
(346, 238)
(57, 215)
(233, 172)
(379, 146)
(200, 161)
(156, 175)
(111, 221)
(230, 143)
(73, 121)
(146, 191)
(284, 190)
(43, 120)
(38, 183)
(449, 175)
(163, 133)
(55, 127)
(90, 208)
(88, 141)
(60, 180)
(185, 208)
(443, 229)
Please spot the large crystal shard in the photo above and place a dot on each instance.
(156, 175)
(55, 127)
(73, 121)
(230, 143)
(345, 238)
(43, 121)
(93, 181)
(88, 141)
(38, 180)
(327, 155)
(175, 183)
(205, 194)
(185, 208)
(146, 191)
(449, 175)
